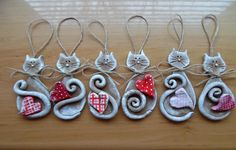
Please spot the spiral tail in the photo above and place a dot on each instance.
(20, 88)
(71, 108)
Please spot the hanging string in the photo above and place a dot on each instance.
(211, 41)
(103, 43)
(130, 37)
(59, 40)
(180, 38)
(31, 25)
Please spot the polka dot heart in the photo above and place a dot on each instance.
(59, 93)
(146, 85)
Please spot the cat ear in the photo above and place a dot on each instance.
(218, 54)
(173, 49)
(186, 51)
(206, 56)
(100, 54)
(41, 58)
(74, 55)
(130, 54)
(142, 52)
(62, 55)
(27, 57)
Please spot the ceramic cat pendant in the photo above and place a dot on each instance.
(33, 99)
(178, 102)
(69, 94)
(140, 96)
(104, 97)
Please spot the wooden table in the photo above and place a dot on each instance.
(87, 132)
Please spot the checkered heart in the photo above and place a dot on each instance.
(99, 101)
(146, 85)
(59, 93)
(30, 107)
(226, 102)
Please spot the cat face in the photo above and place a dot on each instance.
(106, 62)
(137, 62)
(214, 64)
(68, 64)
(33, 65)
(178, 59)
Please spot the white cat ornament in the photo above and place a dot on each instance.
(33, 100)
(140, 96)
(216, 100)
(104, 97)
(69, 94)
(178, 102)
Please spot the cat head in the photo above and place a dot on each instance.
(33, 65)
(68, 64)
(137, 62)
(106, 62)
(178, 59)
(214, 64)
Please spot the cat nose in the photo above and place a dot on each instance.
(216, 64)
(105, 62)
(138, 61)
(179, 59)
(67, 65)
(32, 65)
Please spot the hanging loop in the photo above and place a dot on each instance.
(29, 30)
(211, 40)
(103, 43)
(129, 34)
(59, 40)
(180, 36)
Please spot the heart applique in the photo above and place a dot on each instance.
(30, 107)
(146, 85)
(226, 102)
(59, 92)
(99, 101)
(181, 99)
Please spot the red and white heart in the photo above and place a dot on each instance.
(99, 101)
(181, 99)
(59, 92)
(146, 85)
(30, 107)
(226, 102)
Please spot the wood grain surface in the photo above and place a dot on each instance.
(87, 132)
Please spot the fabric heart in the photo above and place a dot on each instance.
(99, 101)
(30, 107)
(181, 99)
(146, 85)
(226, 102)
(59, 93)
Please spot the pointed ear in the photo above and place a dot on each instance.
(111, 54)
(173, 49)
(142, 52)
(41, 58)
(100, 54)
(218, 54)
(130, 54)
(27, 57)
(186, 51)
(62, 55)
(206, 56)
(74, 55)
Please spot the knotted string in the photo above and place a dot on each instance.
(130, 37)
(103, 43)
(59, 40)
(180, 38)
(31, 25)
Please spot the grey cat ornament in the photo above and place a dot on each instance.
(69, 94)
(33, 99)
(104, 97)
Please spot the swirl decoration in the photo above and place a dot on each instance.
(97, 84)
(210, 95)
(71, 108)
(173, 82)
(22, 90)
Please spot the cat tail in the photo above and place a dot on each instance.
(20, 89)
(65, 109)
(163, 110)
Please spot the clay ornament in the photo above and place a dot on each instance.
(33, 100)
(178, 102)
(104, 97)
(140, 96)
(69, 94)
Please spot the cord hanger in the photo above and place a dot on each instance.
(129, 34)
(211, 41)
(59, 40)
(29, 30)
(103, 43)
(180, 36)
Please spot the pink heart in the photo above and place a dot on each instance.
(226, 102)
(29, 106)
(181, 99)
(99, 101)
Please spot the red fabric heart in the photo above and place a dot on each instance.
(30, 107)
(59, 93)
(99, 101)
(146, 85)
(226, 102)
